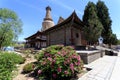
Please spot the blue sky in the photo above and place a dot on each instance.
(32, 12)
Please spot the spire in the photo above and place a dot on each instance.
(60, 20)
(47, 22)
(48, 13)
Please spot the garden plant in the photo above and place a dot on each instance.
(58, 62)
(8, 63)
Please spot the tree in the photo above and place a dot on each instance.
(103, 14)
(114, 39)
(93, 28)
(10, 27)
(119, 41)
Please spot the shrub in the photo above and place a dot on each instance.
(59, 62)
(27, 53)
(17, 59)
(8, 63)
(28, 68)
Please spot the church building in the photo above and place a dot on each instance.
(66, 32)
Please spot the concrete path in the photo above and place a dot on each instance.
(105, 68)
(116, 71)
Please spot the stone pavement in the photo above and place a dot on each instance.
(105, 68)
(116, 71)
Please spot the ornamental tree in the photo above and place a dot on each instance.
(10, 27)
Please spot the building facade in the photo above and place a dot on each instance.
(66, 31)
(37, 41)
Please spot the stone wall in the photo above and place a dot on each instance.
(62, 35)
(68, 35)
(77, 36)
(57, 36)
(90, 56)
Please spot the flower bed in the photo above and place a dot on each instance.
(58, 62)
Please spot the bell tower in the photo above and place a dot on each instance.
(47, 22)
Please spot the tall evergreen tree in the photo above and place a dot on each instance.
(114, 39)
(119, 41)
(93, 28)
(103, 14)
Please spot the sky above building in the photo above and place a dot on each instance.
(32, 12)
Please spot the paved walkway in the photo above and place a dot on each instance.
(116, 71)
(105, 68)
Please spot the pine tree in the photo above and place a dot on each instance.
(103, 14)
(93, 28)
(114, 39)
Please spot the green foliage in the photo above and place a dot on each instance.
(10, 27)
(98, 23)
(15, 58)
(103, 14)
(27, 53)
(8, 63)
(119, 41)
(28, 68)
(58, 62)
(93, 28)
(18, 46)
(114, 39)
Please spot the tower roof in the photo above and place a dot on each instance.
(34, 35)
(48, 22)
(48, 8)
(48, 14)
(72, 18)
(60, 20)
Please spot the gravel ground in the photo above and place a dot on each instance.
(21, 76)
